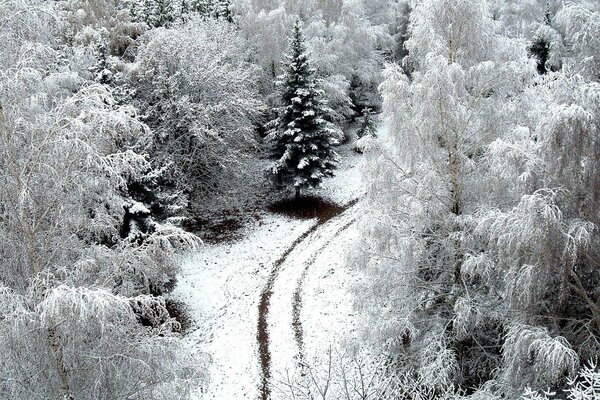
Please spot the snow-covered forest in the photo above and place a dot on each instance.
(300, 200)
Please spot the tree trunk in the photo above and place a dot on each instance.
(297, 192)
(455, 194)
(60, 365)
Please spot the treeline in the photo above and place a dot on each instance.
(480, 245)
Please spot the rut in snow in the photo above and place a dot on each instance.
(297, 299)
(262, 335)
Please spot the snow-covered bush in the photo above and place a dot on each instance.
(199, 96)
(86, 343)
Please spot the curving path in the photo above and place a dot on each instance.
(279, 330)
(246, 297)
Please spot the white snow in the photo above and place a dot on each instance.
(138, 208)
(327, 313)
(364, 142)
(222, 283)
(312, 253)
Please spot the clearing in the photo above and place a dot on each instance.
(260, 304)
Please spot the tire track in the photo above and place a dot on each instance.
(262, 335)
(297, 298)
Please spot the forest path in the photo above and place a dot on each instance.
(223, 284)
(279, 330)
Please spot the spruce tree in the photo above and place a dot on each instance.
(184, 11)
(149, 12)
(221, 9)
(159, 13)
(102, 70)
(367, 127)
(301, 137)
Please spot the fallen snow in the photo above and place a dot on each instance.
(222, 283)
(313, 253)
(328, 317)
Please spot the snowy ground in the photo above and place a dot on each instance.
(222, 284)
(313, 270)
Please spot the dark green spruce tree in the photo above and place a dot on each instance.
(301, 137)
(367, 128)
(221, 9)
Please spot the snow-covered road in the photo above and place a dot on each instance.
(280, 329)
(220, 287)
(303, 264)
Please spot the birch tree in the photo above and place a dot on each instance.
(77, 320)
(427, 179)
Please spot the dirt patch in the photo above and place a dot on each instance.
(222, 228)
(307, 207)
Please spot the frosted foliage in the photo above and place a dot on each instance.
(267, 31)
(556, 50)
(461, 31)
(480, 209)
(349, 47)
(201, 100)
(581, 26)
(468, 317)
(335, 91)
(46, 194)
(478, 267)
(531, 355)
(549, 224)
(358, 375)
(27, 33)
(347, 41)
(67, 156)
(439, 365)
(522, 17)
(97, 334)
(569, 134)
(519, 232)
(587, 384)
(136, 268)
(83, 22)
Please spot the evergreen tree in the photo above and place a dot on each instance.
(302, 139)
(184, 11)
(201, 6)
(148, 12)
(166, 12)
(367, 127)
(221, 9)
(102, 69)
(159, 13)
(136, 11)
